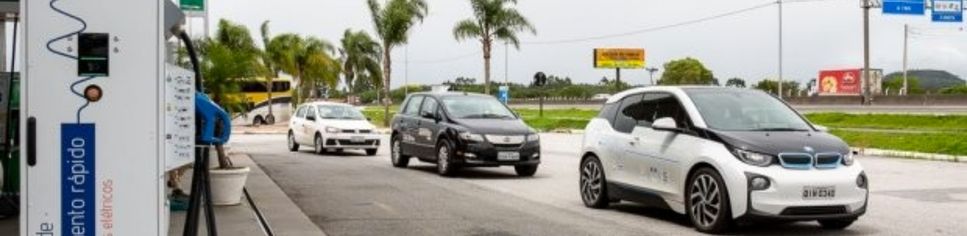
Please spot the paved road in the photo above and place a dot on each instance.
(352, 194)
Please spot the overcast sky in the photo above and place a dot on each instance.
(817, 35)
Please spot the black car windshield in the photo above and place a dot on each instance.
(476, 107)
(336, 112)
(745, 110)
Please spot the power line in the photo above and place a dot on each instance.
(656, 28)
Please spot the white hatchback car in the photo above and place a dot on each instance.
(720, 156)
(331, 127)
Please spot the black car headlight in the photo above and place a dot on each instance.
(754, 158)
(533, 138)
(471, 137)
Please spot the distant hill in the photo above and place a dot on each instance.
(931, 80)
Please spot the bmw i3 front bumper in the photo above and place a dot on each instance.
(814, 194)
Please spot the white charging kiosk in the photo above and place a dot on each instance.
(103, 117)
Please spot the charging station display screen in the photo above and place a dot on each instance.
(93, 54)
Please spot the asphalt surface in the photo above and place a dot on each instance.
(354, 194)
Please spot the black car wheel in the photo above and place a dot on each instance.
(270, 120)
(444, 162)
(319, 148)
(396, 154)
(293, 146)
(593, 185)
(707, 202)
(257, 121)
(836, 224)
(525, 170)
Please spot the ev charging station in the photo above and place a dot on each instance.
(104, 117)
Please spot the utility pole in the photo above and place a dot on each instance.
(779, 2)
(506, 64)
(406, 67)
(867, 98)
(906, 36)
(651, 72)
(617, 78)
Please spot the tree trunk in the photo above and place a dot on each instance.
(486, 51)
(386, 79)
(269, 86)
(223, 161)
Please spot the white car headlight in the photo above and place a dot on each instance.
(849, 158)
(332, 130)
(533, 137)
(753, 158)
(467, 136)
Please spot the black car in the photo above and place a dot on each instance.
(463, 130)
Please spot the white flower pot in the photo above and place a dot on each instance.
(227, 184)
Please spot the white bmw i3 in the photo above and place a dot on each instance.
(720, 156)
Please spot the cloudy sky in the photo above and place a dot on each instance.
(819, 34)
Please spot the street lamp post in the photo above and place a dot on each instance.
(651, 72)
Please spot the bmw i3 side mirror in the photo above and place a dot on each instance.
(665, 124)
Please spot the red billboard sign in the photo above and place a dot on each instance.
(840, 82)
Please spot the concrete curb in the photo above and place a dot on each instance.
(283, 215)
(911, 155)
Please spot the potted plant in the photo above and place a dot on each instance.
(227, 180)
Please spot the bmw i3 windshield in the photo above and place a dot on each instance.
(474, 107)
(745, 110)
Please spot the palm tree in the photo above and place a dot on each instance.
(307, 60)
(228, 59)
(360, 58)
(271, 69)
(393, 23)
(492, 21)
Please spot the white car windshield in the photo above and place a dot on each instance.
(745, 110)
(477, 107)
(334, 112)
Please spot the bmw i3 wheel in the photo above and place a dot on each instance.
(708, 202)
(593, 185)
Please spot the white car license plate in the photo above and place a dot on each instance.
(818, 192)
(357, 139)
(508, 156)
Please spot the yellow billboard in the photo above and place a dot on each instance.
(625, 58)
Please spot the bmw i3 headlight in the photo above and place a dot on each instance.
(332, 130)
(849, 158)
(753, 158)
(467, 136)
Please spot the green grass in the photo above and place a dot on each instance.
(942, 143)
(944, 123)
(557, 119)
(943, 134)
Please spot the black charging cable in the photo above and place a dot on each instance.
(200, 181)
